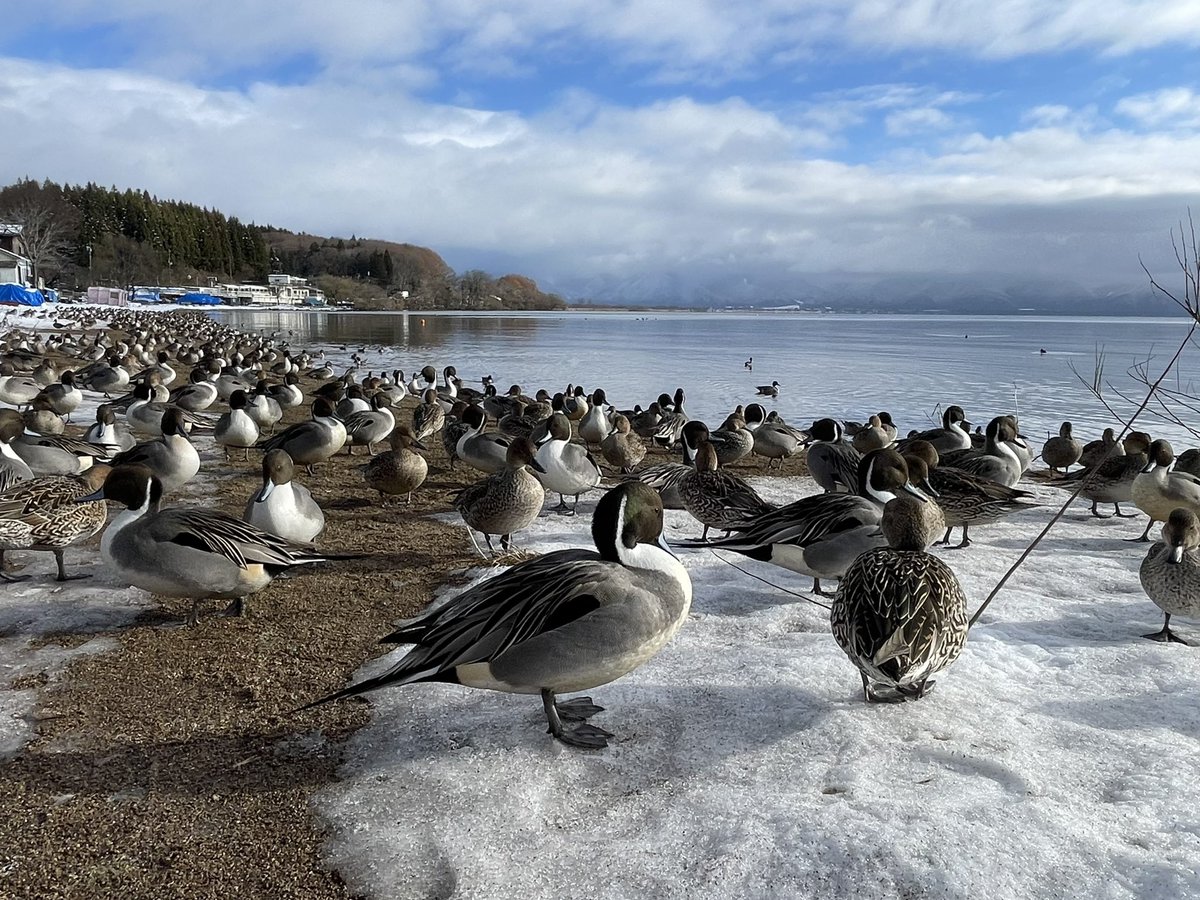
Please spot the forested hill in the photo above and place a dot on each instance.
(87, 234)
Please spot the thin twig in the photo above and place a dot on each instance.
(771, 583)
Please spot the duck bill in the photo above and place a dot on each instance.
(265, 492)
(928, 490)
(909, 489)
(93, 497)
(420, 446)
(537, 466)
(662, 542)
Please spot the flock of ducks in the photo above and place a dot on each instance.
(566, 621)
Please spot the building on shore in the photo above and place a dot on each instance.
(280, 290)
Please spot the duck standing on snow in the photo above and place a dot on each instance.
(1157, 490)
(899, 614)
(1063, 451)
(506, 501)
(570, 620)
(282, 506)
(566, 468)
(1170, 573)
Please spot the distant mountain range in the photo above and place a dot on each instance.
(863, 293)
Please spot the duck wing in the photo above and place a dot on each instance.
(237, 541)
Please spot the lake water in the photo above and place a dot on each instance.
(846, 366)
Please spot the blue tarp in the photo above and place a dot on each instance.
(14, 294)
(200, 299)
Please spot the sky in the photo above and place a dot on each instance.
(579, 142)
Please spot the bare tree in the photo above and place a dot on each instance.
(42, 233)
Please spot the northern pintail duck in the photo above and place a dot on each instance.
(1063, 451)
(312, 442)
(566, 468)
(953, 435)
(485, 451)
(105, 430)
(45, 374)
(423, 381)
(570, 620)
(1112, 480)
(772, 442)
(282, 506)
(733, 441)
(1170, 573)
(14, 535)
(289, 393)
(453, 431)
(506, 501)
(198, 394)
(13, 469)
(517, 423)
(872, 436)
(963, 499)
(716, 498)
(1094, 452)
(107, 379)
(595, 424)
(575, 404)
(52, 507)
(365, 429)
(899, 613)
(998, 460)
(58, 454)
(40, 417)
(821, 535)
(400, 470)
(623, 449)
(171, 457)
(832, 461)
(768, 390)
(235, 429)
(1158, 490)
(64, 397)
(355, 401)
(428, 417)
(197, 554)
(670, 427)
(263, 408)
(16, 390)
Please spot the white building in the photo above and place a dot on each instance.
(14, 268)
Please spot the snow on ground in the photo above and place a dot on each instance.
(1056, 758)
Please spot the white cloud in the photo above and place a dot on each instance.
(1177, 107)
(590, 188)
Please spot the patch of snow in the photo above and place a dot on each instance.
(1056, 757)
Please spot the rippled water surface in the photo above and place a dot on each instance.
(841, 365)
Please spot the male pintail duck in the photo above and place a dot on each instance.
(235, 429)
(172, 458)
(771, 441)
(16, 390)
(899, 613)
(566, 468)
(364, 429)
(506, 501)
(400, 470)
(282, 506)
(52, 507)
(768, 390)
(1170, 573)
(570, 620)
(198, 554)
(485, 451)
(953, 435)
(312, 442)
(595, 424)
(263, 408)
(670, 427)
(197, 395)
(998, 461)
(63, 397)
(105, 430)
(821, 535)
(1063, 451)
(832, 461)
(13, 469)
(1158, 490)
